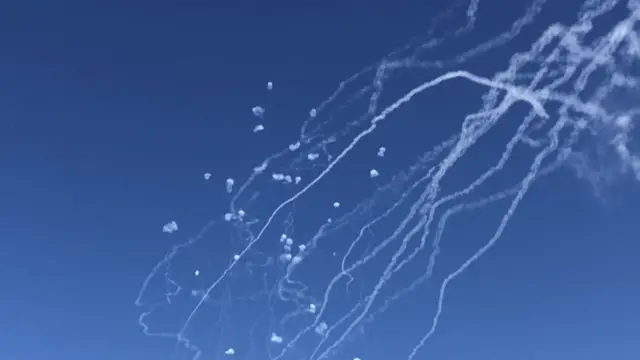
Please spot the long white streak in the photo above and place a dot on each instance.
(523, 94)
(506, 155)
(526, 183)
(424, 223)
(560, 160)
(470, 135)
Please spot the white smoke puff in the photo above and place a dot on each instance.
(287, 248)
(336, 204)
(374, 173)
(197, 272)
(312, 156)
(285, 257)
(356, 358)
(295, 146)
(275, 338)
(321, 328)
(207, 176)
(236, 257)
(296, 259)
(312, 308)
(302, 247)
(297, 179)
(229, 184)
(282, 177)
(228, 216)
(230, 351)
(258, 128)
(381, 151)
(241, 213)
(289, 241)
(624, 122)
(313, 112)
(170, 227)
(258, 111)
(283, 237)
(269, 85)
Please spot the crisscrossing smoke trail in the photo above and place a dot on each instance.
(292, 271)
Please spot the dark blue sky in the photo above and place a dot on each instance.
(111, 111)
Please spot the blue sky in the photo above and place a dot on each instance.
(112, 111)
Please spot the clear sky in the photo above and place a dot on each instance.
(112, 112)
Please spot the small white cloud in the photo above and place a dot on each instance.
(230, 351)
(313, 113)
(381, 151)
(285, 257)
(336, 204)
(207, 176)
(197, 272)
(275, 338)
(258, 128)
(236, 257)
(374, 173)
(258, 111)
(170, 227)
(321, 328)
(624, 122)
(269, 85)
(229, 184)
(282, 177)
